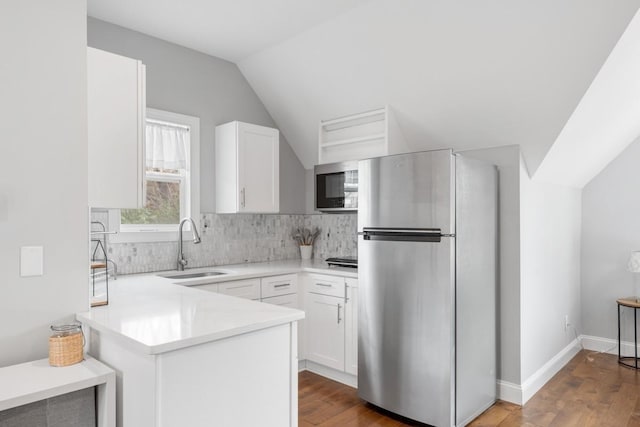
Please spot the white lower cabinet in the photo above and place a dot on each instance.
(290, 301)
(351, 327)
(213, 287)
(279, 285)
(328, 335)
(283, 290)
(325, 330)
(331, 307)
(248, 289)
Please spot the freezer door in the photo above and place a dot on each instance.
(406, 326)
(407, 190)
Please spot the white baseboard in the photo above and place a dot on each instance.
(535, 382)
(606, 345)
(332, 374)
(509, 392)
(520, 394)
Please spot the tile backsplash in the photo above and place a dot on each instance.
(238, 238)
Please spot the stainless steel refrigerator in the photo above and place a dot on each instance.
(427, 225)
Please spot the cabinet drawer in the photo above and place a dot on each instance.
(279, 285)
(249, 289)
(326, 285)
(211, 288)
(290, 300)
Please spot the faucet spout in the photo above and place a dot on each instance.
(182, 262)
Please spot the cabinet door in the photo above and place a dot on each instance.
(258, 168)
(248, 289)
(115, 113)
(291, 301)
(351, 327)
(325, 330)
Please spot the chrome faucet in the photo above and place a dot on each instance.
(196, 239)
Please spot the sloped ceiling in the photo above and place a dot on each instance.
(605, 122)
(461, 74)
(228, 29)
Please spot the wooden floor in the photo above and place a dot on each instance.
(592, 390)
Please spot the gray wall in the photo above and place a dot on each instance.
(188, 82)
(43, 179)
(507, 159)
(610, 232)
(550, 224)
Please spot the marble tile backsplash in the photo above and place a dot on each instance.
(233, 239)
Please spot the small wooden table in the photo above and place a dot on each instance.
(631, 302)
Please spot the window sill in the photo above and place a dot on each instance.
(149, 236)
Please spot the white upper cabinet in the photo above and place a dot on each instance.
(116, 120)
(247, 168)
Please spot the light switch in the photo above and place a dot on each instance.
(31, 261)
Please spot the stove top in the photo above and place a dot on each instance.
(343, 262)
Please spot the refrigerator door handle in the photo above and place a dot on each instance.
(403, 234)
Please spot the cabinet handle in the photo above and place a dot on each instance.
(242, 197)
(326, 285)
(282, 285)
(339, 318)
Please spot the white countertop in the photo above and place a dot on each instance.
(152, 314)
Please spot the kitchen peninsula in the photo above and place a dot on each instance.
(187, 355)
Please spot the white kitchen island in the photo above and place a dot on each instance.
(187, 357)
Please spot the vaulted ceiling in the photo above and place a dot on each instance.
(228, 29)
(461, 74)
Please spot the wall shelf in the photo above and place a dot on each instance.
(359, 136)
(34, 381)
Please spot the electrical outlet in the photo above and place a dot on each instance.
(566, 322)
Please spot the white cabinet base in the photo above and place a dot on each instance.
(332, 374)
(245, 380)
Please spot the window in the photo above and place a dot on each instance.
(172, 181)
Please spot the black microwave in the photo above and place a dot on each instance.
(337, 187)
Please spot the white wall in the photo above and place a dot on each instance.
(610, 232)
(507, 159)
(43, 178)
(458, 74)
(550, 225)
(188, 82)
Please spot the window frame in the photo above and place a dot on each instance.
(190, 183)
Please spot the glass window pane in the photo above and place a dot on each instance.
(162, 205)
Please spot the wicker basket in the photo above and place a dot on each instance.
(66, 349)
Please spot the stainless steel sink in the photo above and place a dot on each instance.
(195, 275)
